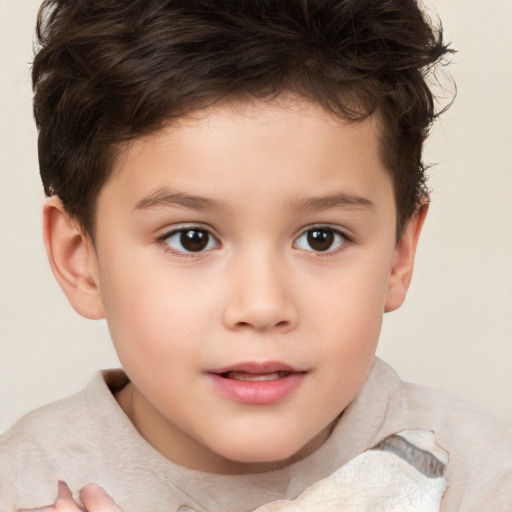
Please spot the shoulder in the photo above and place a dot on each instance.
(43, 427)
(461, 428)
(479, 446)
(52, 424)
(32, 451)
(31, 447)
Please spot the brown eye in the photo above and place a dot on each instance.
(190, 240)
(194, 240)
(321, 239)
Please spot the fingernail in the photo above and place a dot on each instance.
(92, 486)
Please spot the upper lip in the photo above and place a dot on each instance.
(257, 368)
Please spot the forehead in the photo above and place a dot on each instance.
(272, 148)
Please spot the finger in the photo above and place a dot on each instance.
(63, 503)
(49, 508)
(95, 499)
(64, 491)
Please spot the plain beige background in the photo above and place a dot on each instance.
(453, 334)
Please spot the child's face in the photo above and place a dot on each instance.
(257, 239)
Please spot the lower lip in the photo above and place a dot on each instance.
(261, 392)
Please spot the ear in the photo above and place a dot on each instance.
(403, 265)
(73, 260)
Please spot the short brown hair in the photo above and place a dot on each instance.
(108, 71)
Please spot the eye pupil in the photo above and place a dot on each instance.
(320, 239)
(194, 240)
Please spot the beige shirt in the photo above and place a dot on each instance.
(87, 438)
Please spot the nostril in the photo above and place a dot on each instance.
(284, 324)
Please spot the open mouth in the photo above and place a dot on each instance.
(255, 377)
(257, 383)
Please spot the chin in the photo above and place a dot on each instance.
(271, 453)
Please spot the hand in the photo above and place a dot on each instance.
(92, 496)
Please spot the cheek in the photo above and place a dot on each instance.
(348, 319)
(157, 316)
(351, 301)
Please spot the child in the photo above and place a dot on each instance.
(237, 186)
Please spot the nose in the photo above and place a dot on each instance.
(260, 296)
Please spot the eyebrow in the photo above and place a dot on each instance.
(336, 200)
(165, 198)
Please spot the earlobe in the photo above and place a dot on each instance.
(401, 273)
(72, 259)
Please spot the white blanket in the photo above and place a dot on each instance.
(378, 480)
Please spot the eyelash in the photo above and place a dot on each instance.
(343, 240)
(182, 230)
(194, 254)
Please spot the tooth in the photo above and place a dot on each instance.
(254, 377)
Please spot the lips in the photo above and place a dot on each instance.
(257, 383)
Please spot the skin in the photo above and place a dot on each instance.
(92, 497)
(267, 174)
